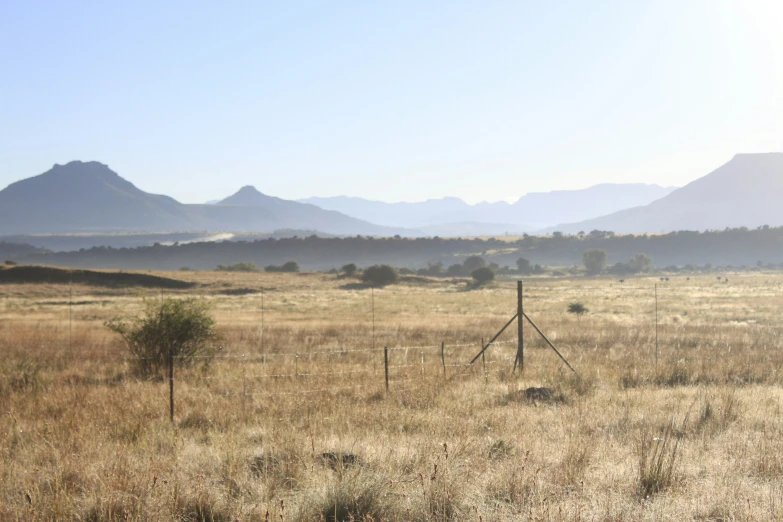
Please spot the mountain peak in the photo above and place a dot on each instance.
(247, 196)
(248, 189)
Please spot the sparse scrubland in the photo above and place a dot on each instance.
(292, 423)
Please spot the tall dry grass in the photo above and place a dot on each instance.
(83, 438)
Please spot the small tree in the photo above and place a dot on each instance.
(524, 266)
(472, 263)
(290, 266)
(483, 275)
(379, 275)
(182, 328)
(349, 270)
(641, 263)
(577, 308)
(594, 261)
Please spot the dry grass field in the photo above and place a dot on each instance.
(292, 423)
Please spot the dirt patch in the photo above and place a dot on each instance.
(49, 275)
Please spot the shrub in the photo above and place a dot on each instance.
(482, 275)
(183, 328)
(290, 266)
(238, 267)
(379, 275)
(524, 266)
(349, 269)
(577, 308)
(472, 263)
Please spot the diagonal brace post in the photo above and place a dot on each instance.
(484, 348)
(548, 341)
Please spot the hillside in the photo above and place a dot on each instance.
(85, 196)
(248, 202)
(533, 211)
(745, 192)
(89, 197)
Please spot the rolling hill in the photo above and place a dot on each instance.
(745, 192)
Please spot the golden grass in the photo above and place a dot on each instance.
(81, 438)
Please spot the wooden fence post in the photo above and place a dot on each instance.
(171, 385)
(443, 357)
(386, 366)
(484, 362)
(520, 359)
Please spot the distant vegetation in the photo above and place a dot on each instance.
(594, 261)
(437, 256)
(238, 267)
(289, 266)
(482, 275)
(380, 275)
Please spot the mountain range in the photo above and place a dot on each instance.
(88, 197)
(746, 191)
(533, 211)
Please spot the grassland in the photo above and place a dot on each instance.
(293, 423)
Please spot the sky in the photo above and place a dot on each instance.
(394, 101)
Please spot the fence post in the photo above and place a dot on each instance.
(656, 327)
(386, 366)
(244, 380)
(520, 359)
(443, 357)
(484, 362)
(422, 364)
(171, 385)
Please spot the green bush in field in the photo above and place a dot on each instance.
(183, 328)
(379, 275)
(483, 275)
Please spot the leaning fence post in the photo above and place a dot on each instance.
(443, 357)
(386, 366)
(171, 385)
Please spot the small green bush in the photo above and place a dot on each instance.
(238, 267)
(380, 275)
(183, 328)
(483, 275)
(289, 266)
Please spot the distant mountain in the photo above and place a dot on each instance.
(746, 191)
(531, 212)
(90, 197)
(402, 214)
(85, 197)
(288, 214)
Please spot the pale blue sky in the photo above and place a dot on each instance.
(396, 100)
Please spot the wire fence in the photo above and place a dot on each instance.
(657, 317)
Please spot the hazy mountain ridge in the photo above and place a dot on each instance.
(745, 192)
(531, 212)
(90, 197)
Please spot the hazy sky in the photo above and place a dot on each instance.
(395, 100)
